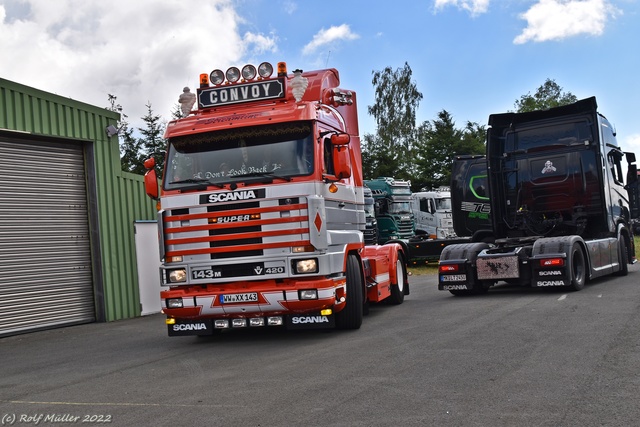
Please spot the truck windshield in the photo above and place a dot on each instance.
(443, 204)
(399, 207)
(369, 210)
(273, 151)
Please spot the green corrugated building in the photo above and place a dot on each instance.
(67, 212)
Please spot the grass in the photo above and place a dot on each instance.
(432, 267)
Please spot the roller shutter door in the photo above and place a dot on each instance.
(45, 257)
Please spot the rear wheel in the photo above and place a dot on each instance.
(351, 315)
(397, 290)
(577, 268)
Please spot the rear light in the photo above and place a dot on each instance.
(449, 268)
(552, 262)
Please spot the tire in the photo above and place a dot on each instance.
(397, 290)
(351, 315)
(623, 257)
(577, 268)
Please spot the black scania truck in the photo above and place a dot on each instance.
(560, 203)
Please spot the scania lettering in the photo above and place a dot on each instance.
(560, 204)
(551, 283)
(189, 327)
(225, 197)
(310, 319)
(454, 287)
(549, 273)
(261, 208)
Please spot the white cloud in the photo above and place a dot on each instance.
(259, 44)
(325, 37)
(559, 19)
(289, 7)
(140, 51)
(475, 7)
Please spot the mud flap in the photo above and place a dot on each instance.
(464, 279)
(184, 327)
(310, 321)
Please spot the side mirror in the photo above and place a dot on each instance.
(151, 179)
(341, 161)
(340, 139)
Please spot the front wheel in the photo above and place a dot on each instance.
(351, 315)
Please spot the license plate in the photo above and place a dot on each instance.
(498, 268)
(231, 298)
(453, 278)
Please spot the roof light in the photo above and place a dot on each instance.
(217, 77)
(265, 70)
(204, 80)
(248, 72)
(282, 69)
(233, 74)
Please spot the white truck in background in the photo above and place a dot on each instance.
(432, 213)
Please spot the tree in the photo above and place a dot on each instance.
(548, 95)
(152, 142)
(439, 142)
(388, 152)
(130, 148)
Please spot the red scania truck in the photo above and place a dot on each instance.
(261, 208)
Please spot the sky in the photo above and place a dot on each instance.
(471, 58)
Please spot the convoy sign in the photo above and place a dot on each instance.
(235, 94)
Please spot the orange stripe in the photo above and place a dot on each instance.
(238, 224)
(244, 211)
(237, 248)
(224, 237)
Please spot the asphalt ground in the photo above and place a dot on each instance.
(513, 357)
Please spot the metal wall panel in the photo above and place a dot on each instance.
(45, 255)
(116, 198)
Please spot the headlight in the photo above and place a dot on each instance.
(249, 72)
(233, 74)
(177, 276)
(306, 266)
(306, 294)
(217, 77)
(174, 303)
(265, 70)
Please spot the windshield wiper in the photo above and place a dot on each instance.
(197, 181)
(263, 175)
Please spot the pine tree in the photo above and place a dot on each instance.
(130, 148)
(152, 142)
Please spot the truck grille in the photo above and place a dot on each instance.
(370, 236)
(234, 230)
(405, 228)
